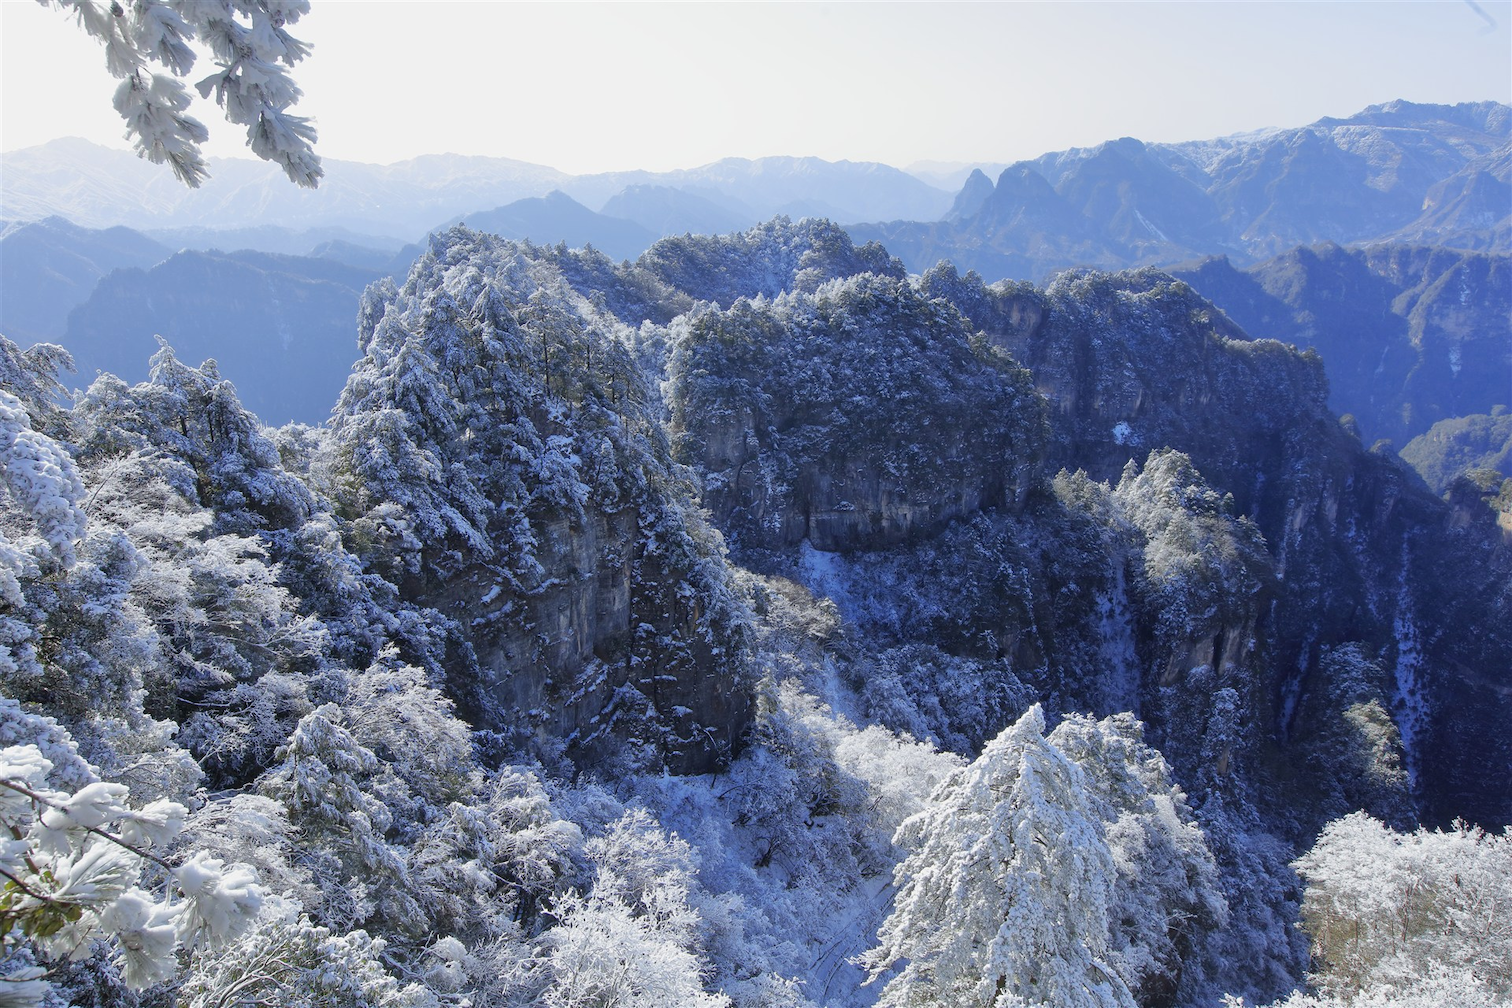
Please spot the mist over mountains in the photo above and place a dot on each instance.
(95, 186)
(1413, 174)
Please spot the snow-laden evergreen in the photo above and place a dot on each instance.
(1004, 897)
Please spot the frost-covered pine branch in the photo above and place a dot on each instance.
(84, 866)
(252, 84)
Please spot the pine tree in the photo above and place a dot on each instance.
(1003, 900)
(1166, 891)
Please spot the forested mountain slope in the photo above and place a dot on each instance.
(1410, 335)
(670, 628)
(49, 266)
(279, 326)
(1452, 448)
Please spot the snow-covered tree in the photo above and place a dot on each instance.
(42, 486)
(252, 85)
(83, 865)
(1166, 891)
(285, 959)
(632, 940)
(1003, 899)
(1386, 910)
(1438, 987)
(331, 784)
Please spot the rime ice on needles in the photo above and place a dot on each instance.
(41, 478)
(217, 900)
(253, 85)
(72, 871)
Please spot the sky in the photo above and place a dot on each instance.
(586, 87)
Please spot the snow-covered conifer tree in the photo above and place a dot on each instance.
(1003, 900)
(632, 941)
(1166, 892)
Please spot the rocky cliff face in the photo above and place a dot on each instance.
(1229, 563)
(496, 457)
(1360, 550)
(852, 418)
(1410, 335)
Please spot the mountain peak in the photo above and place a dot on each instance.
(976, 192)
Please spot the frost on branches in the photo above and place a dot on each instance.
(1059, 870)
(1395, 914)
(84, 866)
(1004, 899)
(251, 83)
(44, 485)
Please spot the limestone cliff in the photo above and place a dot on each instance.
(497, 460)
(1362, 552)
(851, 418)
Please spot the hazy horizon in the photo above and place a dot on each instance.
(622, 87)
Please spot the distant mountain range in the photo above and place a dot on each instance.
(560, 216)
(49, 266)
(99, 187)
(1399, 172)
(281, 328)
(667, 210)
(96, 186)
(1412, 334)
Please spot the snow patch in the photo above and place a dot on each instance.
(824, 574)
(1150, 227)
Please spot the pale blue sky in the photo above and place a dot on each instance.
(593, 87)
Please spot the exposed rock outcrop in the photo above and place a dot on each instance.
(1362, 551)
(853, 418)
(499, 461)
